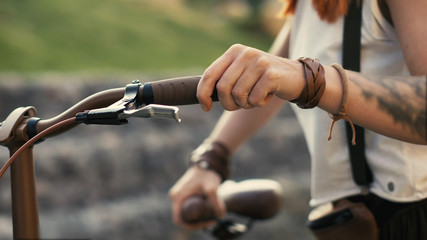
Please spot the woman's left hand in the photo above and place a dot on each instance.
(246, 78)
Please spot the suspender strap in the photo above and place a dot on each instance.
(362, 175)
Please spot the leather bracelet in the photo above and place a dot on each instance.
(212, 156)
(343, 103)
(315, 84)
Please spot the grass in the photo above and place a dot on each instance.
(112, 35)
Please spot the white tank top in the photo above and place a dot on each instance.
(399, 168)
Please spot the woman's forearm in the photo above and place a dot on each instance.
(392, 106)
(235, 127)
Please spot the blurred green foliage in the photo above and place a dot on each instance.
(112, 35)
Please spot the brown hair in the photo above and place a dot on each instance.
(328, 10)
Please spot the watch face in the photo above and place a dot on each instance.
(203, 164)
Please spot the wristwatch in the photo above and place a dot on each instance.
(203, 164)
(212, 156)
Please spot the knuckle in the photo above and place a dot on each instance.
(238, 93)
(223, 88)
(208, 73)
(271, 74)
(237, 46)
(255, 101)
(262, 62)
(252, 101)
(238, 50)
(249, 52)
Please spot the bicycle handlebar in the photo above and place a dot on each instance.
(257, 199)
(175, 91)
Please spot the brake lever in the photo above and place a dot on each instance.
(120, 111)
(152, 111)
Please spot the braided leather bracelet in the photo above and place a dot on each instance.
(315, 84)
(212, 156)
(314, 74)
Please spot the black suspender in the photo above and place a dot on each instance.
(362, 175)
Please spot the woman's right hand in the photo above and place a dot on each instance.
(196, 181)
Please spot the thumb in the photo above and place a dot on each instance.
(218, 204)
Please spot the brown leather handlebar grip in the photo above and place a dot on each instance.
(197, 209)
(175, 91)
(255, 198)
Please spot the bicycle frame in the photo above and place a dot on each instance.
(14, 133)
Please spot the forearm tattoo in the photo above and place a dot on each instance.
(403, 98)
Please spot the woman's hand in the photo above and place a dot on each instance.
(196, 181)
(246, 78)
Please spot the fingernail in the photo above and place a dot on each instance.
(205, 108)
